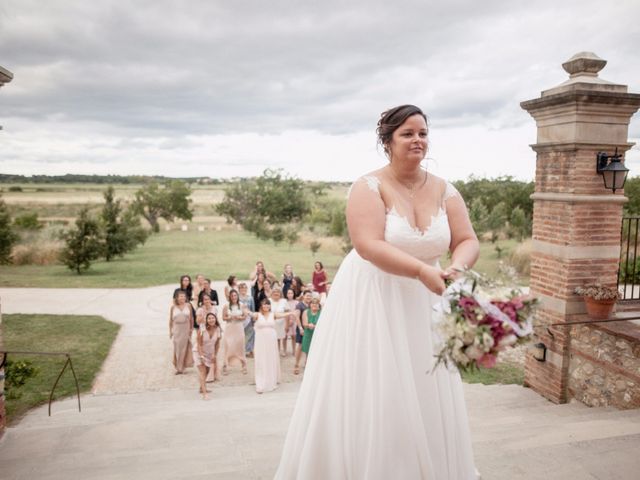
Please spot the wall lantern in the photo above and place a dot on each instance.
(539, 351)
(613, 172)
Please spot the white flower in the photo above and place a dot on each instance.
(474, 352)
(507, 341)
(487, 341)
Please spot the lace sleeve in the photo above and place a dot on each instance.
(450, 191)
(371, 181)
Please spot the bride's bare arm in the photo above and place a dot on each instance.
(366, 217)
(464, 246)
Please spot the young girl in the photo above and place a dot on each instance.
(205, 351)
(265, 351)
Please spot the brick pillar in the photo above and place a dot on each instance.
(576, 221)
(5, 77)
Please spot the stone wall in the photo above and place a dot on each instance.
(604, 366)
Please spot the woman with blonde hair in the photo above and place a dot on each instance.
(234, 314)
(180, 328)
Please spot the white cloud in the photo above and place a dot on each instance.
(227, 88)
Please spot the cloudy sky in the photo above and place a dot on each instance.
(224, 88)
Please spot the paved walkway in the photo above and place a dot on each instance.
(144, 422)
(140, 358)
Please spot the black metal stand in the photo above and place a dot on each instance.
(5, 354)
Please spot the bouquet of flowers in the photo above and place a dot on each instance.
(474, 329)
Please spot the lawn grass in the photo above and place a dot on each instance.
(217, 254)
(87, 338)
(167, 255)
(503, 373)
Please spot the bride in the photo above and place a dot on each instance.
(369, 407)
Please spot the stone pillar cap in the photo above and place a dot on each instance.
(583, 70)
(584, 63)
(5, 76)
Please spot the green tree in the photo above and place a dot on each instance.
(519, 224)
(632, 192)
(122, 231)
(169, 201)
(267, 206)
(7, 236)
(115, 235)
(479, 216)
(83, 244)
(496, 220)
(338, 223)
(503, 189)
(136, 234)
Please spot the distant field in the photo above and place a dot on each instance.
(58, 202)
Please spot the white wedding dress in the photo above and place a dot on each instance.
(369, 407)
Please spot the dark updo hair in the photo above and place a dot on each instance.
(390, 121)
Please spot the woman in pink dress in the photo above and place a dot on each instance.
(205, 351)
(180, 328)
(265, 350)
(234, 314)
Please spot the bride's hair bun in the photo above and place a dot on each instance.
(390, 121)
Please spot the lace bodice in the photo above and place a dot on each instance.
(427, 245)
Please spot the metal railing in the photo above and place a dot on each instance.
(5, 355)
(629, 265)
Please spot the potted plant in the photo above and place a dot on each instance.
(598, 299)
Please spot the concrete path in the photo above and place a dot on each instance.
(144, 422)
(140, 358)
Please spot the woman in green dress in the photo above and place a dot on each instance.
(309, 321)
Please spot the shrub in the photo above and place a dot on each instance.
(520, 258)
(15, 188)
(27, 221)
(16, 375)
(83, 243)
(41, 252)
(7, 236)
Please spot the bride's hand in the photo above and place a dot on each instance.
(432, 278)
(453, 272)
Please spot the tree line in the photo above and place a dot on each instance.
(117, 229)
(275, 207)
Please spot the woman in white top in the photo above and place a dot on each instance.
(279, 305)
(265, 350)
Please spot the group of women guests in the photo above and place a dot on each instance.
(260, 317)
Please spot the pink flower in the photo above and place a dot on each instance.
(488, 360)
